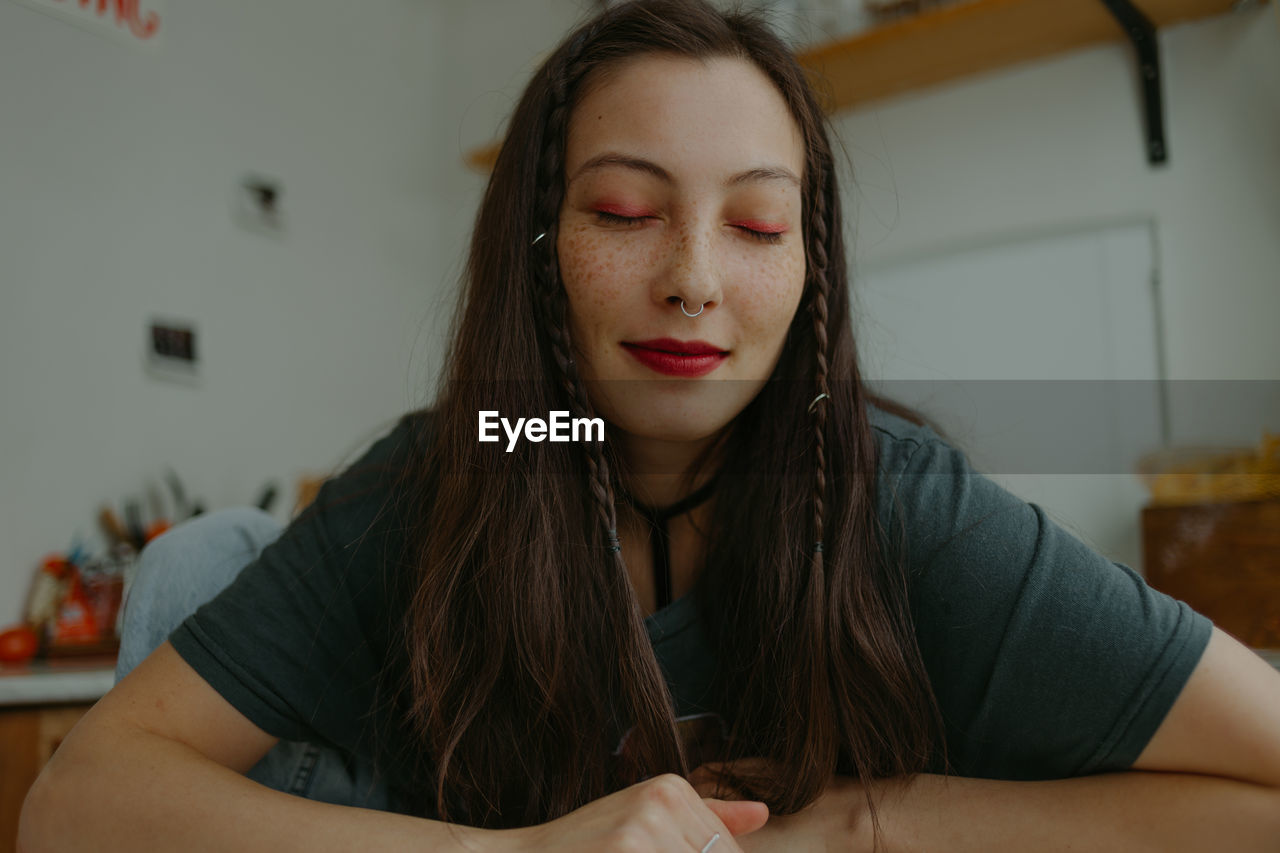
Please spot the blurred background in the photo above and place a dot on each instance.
(230, 237)
(231, 234)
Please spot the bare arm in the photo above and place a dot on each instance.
(157, 764)
(1208, 780)
(1129, 812)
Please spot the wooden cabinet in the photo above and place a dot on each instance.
(39, 705)
(1224, 560)
(28, 736)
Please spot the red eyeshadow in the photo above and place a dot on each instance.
(622, 210)
(756, 225)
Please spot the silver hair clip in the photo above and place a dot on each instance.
(539, 237)
(816, 399)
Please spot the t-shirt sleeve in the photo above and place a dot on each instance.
(294, 642)
(1048, 659)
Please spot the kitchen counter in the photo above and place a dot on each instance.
(56, 682)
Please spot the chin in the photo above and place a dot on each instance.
(671, 409)
(685, 418)
(656, 426)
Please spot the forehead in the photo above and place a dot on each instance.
(697, 118)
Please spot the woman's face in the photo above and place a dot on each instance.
(683, 184)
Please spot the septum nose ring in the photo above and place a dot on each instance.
(686, 310)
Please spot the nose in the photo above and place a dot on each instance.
(690, 279)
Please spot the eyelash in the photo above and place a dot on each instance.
(615, 219)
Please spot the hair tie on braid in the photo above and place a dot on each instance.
(614, 547)
(822, 396)
(817, 547)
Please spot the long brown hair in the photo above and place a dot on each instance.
(525, 643)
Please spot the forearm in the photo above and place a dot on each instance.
(1127, 812)
(143, 792)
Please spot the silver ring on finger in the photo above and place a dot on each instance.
(711, 843)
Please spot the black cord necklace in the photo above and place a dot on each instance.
(658, 518)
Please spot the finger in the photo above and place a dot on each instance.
(739, 816)
(700, 823)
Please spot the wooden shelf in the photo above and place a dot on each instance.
(968, 38)
(955, 41)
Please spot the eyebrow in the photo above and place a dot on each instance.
(639, 164)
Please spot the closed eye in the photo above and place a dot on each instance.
(615, 219)
(762, 236)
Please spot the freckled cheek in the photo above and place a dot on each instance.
(771, 294)
(594, 272)
(597, 269)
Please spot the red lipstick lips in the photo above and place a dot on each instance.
(671, 357)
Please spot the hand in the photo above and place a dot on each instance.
(837, 820)
(663, 814)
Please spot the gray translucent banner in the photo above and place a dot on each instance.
(1090, 426)
(1017, 426)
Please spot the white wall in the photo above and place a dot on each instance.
(1055, 147)
(1058, 144)
(118, 168)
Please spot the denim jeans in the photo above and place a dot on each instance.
(187, 566)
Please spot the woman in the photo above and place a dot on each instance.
(558, 645)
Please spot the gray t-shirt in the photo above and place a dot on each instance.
(1048, 660)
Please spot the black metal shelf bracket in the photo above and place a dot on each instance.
(1143, 37)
